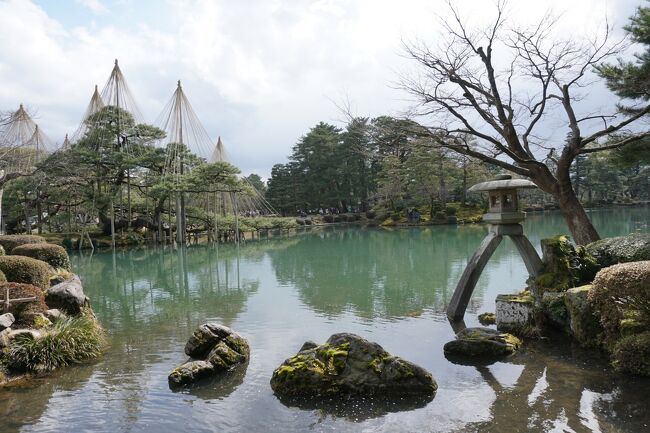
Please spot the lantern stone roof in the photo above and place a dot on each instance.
(504, 181)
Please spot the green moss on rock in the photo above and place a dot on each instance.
(482, 343)
(349, 365)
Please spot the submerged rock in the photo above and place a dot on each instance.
(349, 365)
(68, 296)
(621, 249)
(217, 348)
(482, 342)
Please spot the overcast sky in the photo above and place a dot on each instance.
(259, 73)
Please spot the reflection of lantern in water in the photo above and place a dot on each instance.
(503, 218)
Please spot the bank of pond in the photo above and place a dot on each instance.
(597, 296)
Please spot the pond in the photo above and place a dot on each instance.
(390, 286)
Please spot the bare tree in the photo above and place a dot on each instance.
(505, 86)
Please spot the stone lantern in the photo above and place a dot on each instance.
(504, 218)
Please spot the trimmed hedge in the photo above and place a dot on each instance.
(24, 312)
(54, 255)
(619, 290)
(2, 251)
(21, 269)
(9, 242)
(2, 277)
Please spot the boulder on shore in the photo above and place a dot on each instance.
(214, 349)
(68, 297)
(349, 365)
(482, 343)
(6, 320)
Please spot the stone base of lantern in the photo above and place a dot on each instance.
(514, 312)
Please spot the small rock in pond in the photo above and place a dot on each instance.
(214, 345)
(482, 342)
(6, 320)
(487, 319)
(350, 365)
(190, 372)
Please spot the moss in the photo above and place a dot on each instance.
(54, 255)
(3, 278)
(41, 322)
(9, 242)
(554, 281)
(20, 269)
(524, 297)
(487, 319)
(565, 266)
(632, 327)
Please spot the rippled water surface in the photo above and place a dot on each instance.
(390, 286)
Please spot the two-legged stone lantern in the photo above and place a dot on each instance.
(503, 218)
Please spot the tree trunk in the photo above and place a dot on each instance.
(580, 225)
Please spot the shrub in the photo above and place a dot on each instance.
(2, 277)
(395, 216)
(621, 249)
(621, 290)
(371, 214)
(55, 255)
(24, 312)
(328, 218)
(69, 341)
(440, 216)
(308, 222)
(632, 354)
(21, 269)
(337, 218)
(450, 210)
(9, 242)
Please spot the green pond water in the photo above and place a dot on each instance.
(390, 286)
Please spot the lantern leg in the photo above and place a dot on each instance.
(527, 251)
(465, 287)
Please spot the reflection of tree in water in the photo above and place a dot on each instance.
(377, 273)
(563, 388)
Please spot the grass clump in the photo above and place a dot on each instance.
(27, 270)
(54, 255)
(9, 242)
(69, 341)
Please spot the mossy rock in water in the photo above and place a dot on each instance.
(219, 348)
(190, 372)
(621, 249)
(486, 319)
(482, 343)
(632, 354)
(9, 242)
(554, 309)
(54, 255)
(349, 365)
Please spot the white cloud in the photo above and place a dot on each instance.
(259, 73)
(95, 6)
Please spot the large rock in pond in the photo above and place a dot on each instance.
(217, 348)
(349, 365)
(514, 313)
(621, 249)
(68, 297)
(482, 343)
